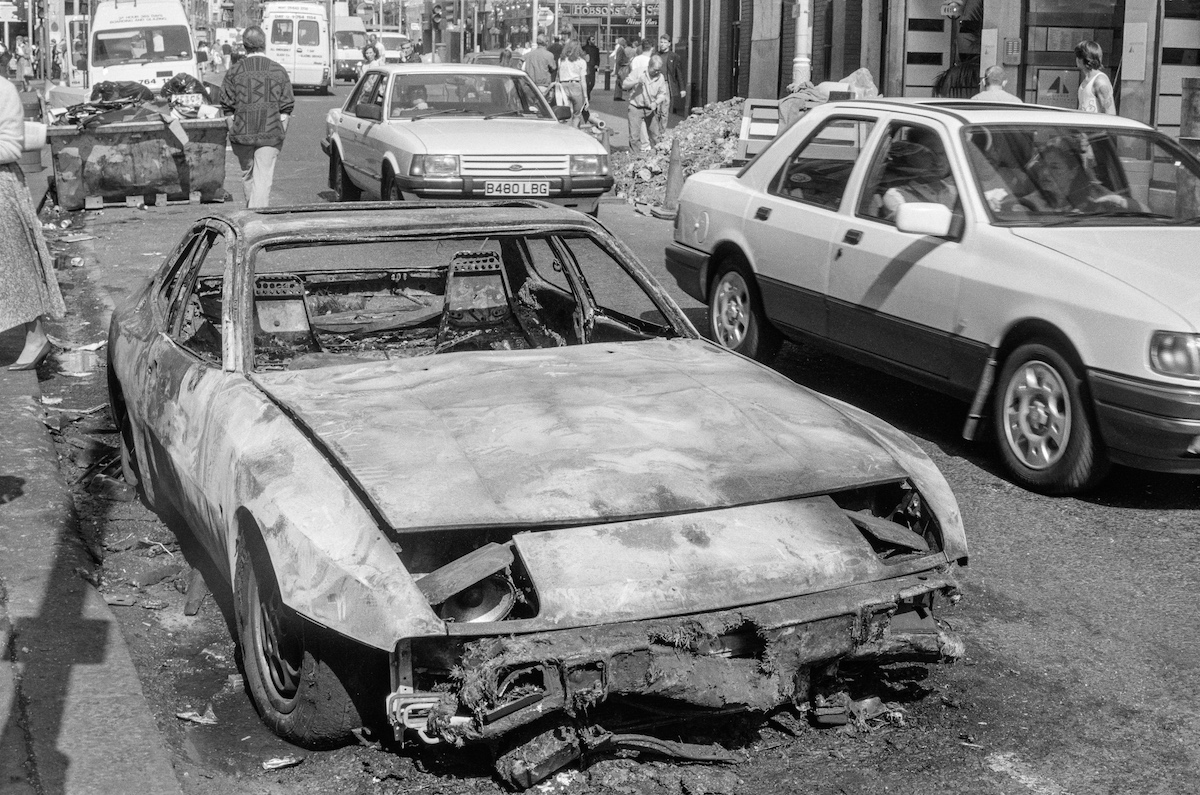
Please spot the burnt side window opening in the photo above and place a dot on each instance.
(899, 503)
(336, 302)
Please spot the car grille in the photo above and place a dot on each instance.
(504, 166)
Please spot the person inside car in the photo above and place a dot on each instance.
(1065, 184)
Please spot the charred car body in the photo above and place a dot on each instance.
(470, 470)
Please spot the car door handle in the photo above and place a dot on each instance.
(762, 213)
(852, 237)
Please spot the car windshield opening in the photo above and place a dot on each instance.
(1061, 175)
(329, 303)
(349, 40)
(141, 45)
(417, 96)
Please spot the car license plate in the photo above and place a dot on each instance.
(515, 187)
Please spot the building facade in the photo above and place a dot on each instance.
(914, 48)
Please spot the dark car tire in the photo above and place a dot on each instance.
(1044, 425)
(286, 662)
(389, 191)
(735, 313)
(345, 190)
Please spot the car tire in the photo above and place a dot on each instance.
(345, 190)
(389, 191)
(735, 314)
(287, 662)
(1044, 425)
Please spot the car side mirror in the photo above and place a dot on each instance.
(368, 111)
(562, 113)
(924, 218)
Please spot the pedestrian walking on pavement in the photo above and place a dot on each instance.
(541, 67)
(649, 103)
(1095, 89)
(592, 53)
(572, 74)
(24, 66)
(674, 71)
(257, 96)
(28, 289)
(991, 87)
(620, 66)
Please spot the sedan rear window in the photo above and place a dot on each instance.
(332, 303)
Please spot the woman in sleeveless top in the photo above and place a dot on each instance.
(1095, 90)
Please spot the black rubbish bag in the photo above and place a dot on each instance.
(183, 83)
(110, 91)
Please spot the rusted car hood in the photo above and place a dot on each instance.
(577, 435)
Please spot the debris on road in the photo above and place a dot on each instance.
(708, 139)
(119, 600)
(209, 718)
(275, 763)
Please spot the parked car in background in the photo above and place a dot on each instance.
(467, 468)
(1035, 262)
(459, 131)
(492, 58)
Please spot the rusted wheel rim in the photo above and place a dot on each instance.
(280, 652)
(731, 310)
(1037, 415)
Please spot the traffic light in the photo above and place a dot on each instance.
(437, 15)
(451, 12)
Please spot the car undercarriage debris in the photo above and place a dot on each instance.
(532, 759)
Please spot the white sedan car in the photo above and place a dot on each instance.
(1038, 263)
(438, 131)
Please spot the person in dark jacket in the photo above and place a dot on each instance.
(674, 71)
(258, 96)
(593, 57)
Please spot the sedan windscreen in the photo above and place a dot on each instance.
(321, 304)
(417, 96)
(1040, 175)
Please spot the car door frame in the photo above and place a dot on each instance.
(921, 347)
(801, 306)
(353, 133)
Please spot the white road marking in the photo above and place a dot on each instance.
(1018, 771)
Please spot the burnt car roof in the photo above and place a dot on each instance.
(254, 225)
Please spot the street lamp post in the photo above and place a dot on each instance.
(802, 62)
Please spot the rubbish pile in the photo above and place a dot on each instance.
(708, 139)
(182, 97)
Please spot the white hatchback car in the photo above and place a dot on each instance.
(439, 131)
(1038, 263)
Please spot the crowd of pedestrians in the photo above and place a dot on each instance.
(649, 75)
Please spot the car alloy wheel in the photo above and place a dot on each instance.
(735, 317)
(1043, 423)
(1037, 415)
(731, 310)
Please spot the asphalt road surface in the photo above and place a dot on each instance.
(1083, 646)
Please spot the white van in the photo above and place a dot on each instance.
(298, 40)
(349, 38)
(144, 41)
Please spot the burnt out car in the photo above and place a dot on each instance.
(472, 476)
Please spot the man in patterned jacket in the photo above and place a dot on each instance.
(258, 96)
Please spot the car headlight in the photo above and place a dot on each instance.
(1173, 353)
(589, 165)
(434, 166)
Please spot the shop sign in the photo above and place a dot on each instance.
(1058, 87)
(8, 12)
(607, 9)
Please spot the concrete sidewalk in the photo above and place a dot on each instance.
(77, 722)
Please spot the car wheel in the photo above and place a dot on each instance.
(1043, 424)
(735, 315)
(389, 190)
(345, 190)
(297, 693)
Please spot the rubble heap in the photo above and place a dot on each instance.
(708, 139)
